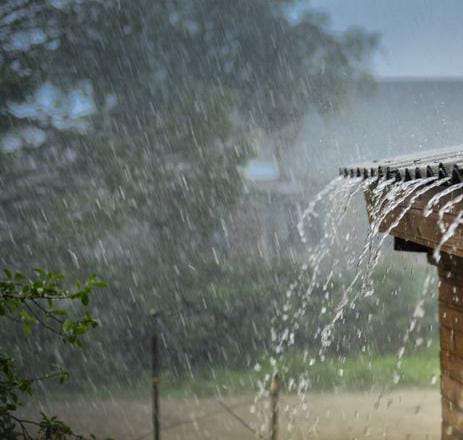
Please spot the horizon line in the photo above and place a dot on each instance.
(418, 78)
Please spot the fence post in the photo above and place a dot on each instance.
(274, 396)
(155, 385)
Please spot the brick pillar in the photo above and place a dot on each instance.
(450, 270)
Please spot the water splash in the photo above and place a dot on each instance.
(446, 209)
(448, 234)
(418, 314)
(310, 211)
(433, 201)
(386, 199)
(338, 250)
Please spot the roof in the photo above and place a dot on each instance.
(441, 162)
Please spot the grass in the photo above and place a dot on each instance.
(420, 369)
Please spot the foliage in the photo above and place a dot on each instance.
(154, 52)
(146, 192)
(40, 301)
(240, 300)
(187, 81)
(221, 316)
(379, 323)
(19, 64)
(419, 368)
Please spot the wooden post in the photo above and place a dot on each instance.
(274, 396)
(155, 386)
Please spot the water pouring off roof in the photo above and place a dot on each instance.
(446, 162)
(424, 216)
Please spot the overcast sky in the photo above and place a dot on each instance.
(420, 38)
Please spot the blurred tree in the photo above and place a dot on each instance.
(19, 56)
(177, 87)
(147, 52)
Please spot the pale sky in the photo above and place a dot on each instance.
(420, 38)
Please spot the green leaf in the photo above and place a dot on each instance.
(84, 298)
(18, 276)
(25, 386)
(64, 376)
(68, 326)
(28, 322)
(27, 328)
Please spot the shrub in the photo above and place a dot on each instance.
(40, 301)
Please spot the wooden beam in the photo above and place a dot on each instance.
(403, 245)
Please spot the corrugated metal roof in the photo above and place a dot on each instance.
(442, 163)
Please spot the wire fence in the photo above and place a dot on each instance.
(229, 410)
(226, 409)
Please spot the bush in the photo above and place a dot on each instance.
(221, 317)
(31, 303)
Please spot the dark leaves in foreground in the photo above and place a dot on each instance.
(40, 301)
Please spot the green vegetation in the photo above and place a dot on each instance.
(146, 189)
(31, 303)
(420, 369)
(362, 373)
(229, 313)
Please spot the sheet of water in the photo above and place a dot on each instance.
(339, 252)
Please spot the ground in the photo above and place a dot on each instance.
(405, 414)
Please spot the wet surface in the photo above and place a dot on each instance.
(403, 414)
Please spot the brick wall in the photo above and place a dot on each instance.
(450, 270)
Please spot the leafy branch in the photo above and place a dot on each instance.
(40, 301)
